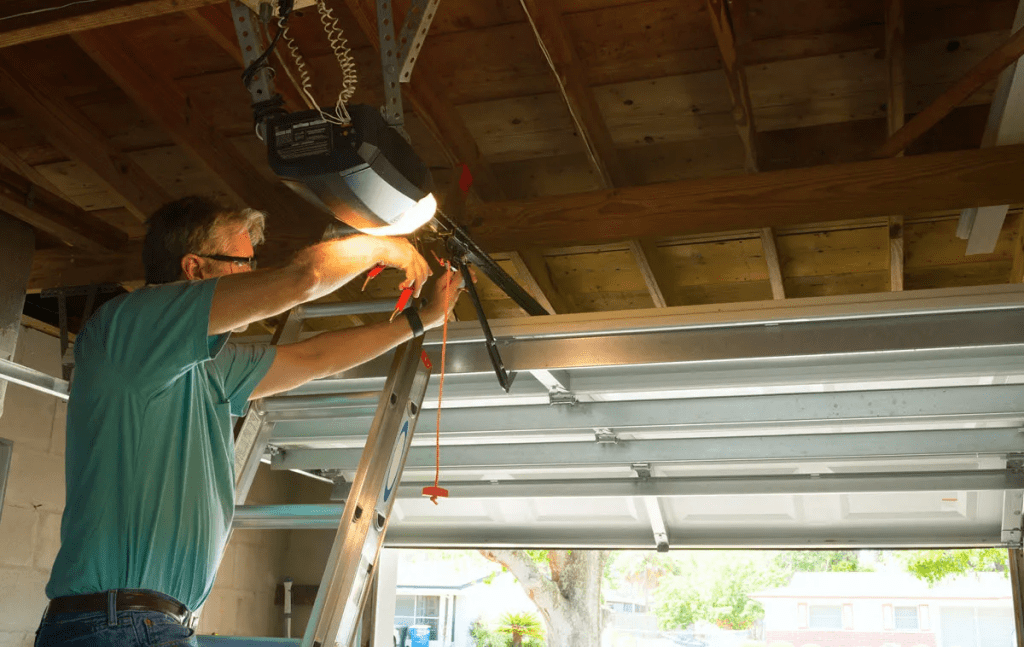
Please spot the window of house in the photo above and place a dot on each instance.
(822, 617)
(905, 619)
(418, 610)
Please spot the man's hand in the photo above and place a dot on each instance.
(453, 284)
(400, 253)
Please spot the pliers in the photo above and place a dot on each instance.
(403, 299)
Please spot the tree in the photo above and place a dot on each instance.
(933, 566)
(521, 625)
(642, 570)
(818, 561)
(566, 587)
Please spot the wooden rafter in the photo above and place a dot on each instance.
(165, 102)
(50, 213)
(217, 25)
(771, 257)
(23, 21)
(743, 112)
(979, 75)
(530, 263)
(437, 114)
(935, 182)
(895, 64)
(69, 130)
(571, 78)
(642, 253)
(1017, 270)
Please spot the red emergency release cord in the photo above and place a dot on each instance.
(437, 491)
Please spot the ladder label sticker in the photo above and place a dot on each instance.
(395, 464)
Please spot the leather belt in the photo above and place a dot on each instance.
(126, 600)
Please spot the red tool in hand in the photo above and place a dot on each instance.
(403, 299)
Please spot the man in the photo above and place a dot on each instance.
(150, 456)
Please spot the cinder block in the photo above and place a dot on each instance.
(58, 433)
(39, 351)
(47, 540)
(226, 572)
(28, 417)
(36, 479)
(24, 596)
(17, 638)
(17, 535)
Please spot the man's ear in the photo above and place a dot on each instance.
(192, 267)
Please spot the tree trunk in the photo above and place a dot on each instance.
(566, 590)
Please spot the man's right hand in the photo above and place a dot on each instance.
(400, 253)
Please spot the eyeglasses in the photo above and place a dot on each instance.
(237, 260)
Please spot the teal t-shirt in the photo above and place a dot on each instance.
(150, 449)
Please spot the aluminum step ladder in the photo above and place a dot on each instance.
(350, 568)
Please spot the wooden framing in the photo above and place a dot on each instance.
(70, 131)
(743, 112)
(642, 255)
(529, 281)
(168, 106)
(979, 75)
(48, 212)
(771, 257)
(895, 113)
(571, 78)
(437, 114)
(921, 183)
(25, 21)
(1017, 269)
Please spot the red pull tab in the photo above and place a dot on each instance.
(426, 361)
(377, 269)
(434, 492)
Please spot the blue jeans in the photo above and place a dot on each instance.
(121, 629)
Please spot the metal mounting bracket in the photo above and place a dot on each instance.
(505, 378)
(605, 436)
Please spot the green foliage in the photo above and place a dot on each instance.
(525, 625)
(819, 561)
(641, 570)
(485, 637)
(933, 566)
(715, 586)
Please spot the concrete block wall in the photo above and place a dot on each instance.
(30, 522)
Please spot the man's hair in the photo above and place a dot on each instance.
(192, 225)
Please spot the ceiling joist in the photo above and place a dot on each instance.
(743, 111)
(68, 130)
(571, 77)
(921, 183)
(24, 21)
(895, 63)
(980, 74)
(437, 113)
(170, 107)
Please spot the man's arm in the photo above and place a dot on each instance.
(243, 298)
(333, 352)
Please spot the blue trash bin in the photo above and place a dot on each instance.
(419, 636)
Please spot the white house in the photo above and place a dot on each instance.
(450, 594)
(889, 610)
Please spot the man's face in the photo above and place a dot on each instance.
(236, 243)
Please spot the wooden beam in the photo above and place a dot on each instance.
(12, 161)
(771, 257)
(529, 282)
(743, 111)
(571, 77)
(216, 23)
(982, 227)
(49, 212)
(916, 184)
(24, 21)
(531, 262)
(650, 279)
(437, 113)
(1017, 269)
(56, 267)
(69, 130)
(979, 75)
(168, 105)
(896, 111)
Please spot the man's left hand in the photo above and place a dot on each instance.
(447, 288)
